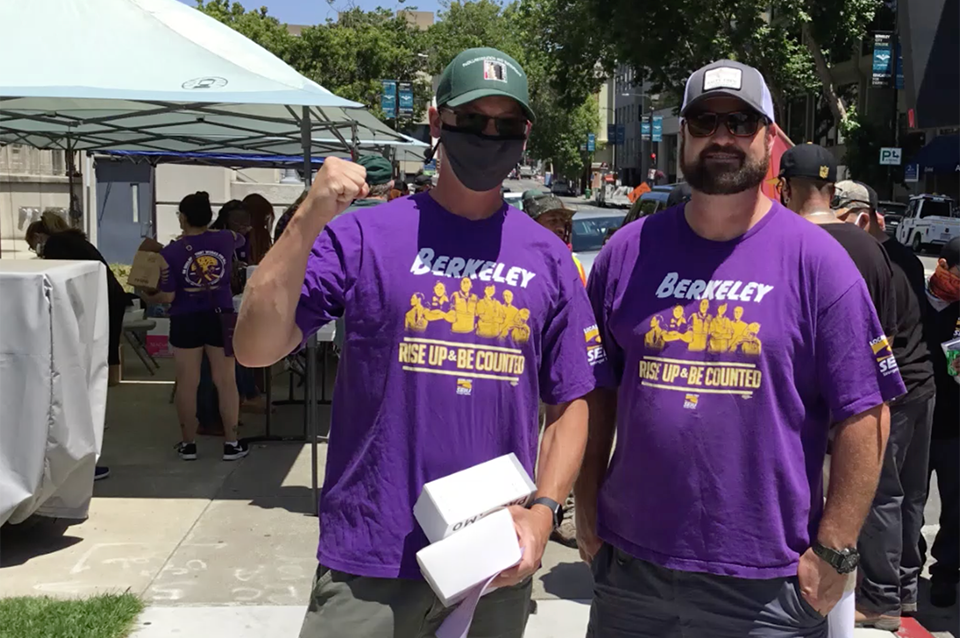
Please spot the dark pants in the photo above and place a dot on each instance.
(944, 455)
(889, 544)
(362, 607)
(636, 599)
(208, 406)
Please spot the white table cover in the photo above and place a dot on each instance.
(53, 385)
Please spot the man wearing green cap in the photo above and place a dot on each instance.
(460, 315)
(379, 181)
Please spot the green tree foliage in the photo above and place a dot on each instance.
(349, 57)
(516, 29)
(352, 55)
(792, 42)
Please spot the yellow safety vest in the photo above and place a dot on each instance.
(583, 274)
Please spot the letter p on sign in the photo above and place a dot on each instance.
(890, 156)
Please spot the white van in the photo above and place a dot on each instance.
(930, 220)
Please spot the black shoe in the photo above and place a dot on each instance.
(943, 594)
(235, 451)
(101, 472)
(187, 451)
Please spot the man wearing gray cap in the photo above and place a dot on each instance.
(737, 336)
(889, 547)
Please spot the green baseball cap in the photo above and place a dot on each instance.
(379, 169)
(482, 72)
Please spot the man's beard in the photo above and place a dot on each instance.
(723, 180)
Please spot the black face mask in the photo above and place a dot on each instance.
(480, 162)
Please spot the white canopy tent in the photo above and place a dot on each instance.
(156, 75)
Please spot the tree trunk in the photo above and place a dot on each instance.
(829, 92)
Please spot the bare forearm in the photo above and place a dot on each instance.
(561, 449)
(266, 329)
(603, 423)
(854, 472)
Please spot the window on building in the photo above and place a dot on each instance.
(57, 162)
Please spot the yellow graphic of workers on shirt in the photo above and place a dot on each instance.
(702, 331)
(487, 317)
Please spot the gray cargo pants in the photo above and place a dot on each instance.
(362, 607)
(889, 544)
(636, 599)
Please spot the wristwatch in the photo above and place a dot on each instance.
(554, 506)
(843, 560)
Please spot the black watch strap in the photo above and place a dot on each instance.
(554, 506)
(843, 560)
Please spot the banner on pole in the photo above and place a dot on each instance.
(645, 128)
(388, 98)
(656, 133)
(406, 98)
(882, 59)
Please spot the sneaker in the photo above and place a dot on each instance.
(908, 609)
(101, 472)
(235, 451)
(942, 594)
(876, 621)
(187, 451)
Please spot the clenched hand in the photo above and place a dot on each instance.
(338, 183)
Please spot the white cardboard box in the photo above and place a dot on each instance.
(455, 565)
(454, 502)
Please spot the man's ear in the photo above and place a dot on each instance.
(942, 263)
(434, 116)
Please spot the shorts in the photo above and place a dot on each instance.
(196, 329)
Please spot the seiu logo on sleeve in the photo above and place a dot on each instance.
(719, 289)
(595, 351)
(884, 354)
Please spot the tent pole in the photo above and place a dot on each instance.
(311, 390)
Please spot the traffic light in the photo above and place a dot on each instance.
(653, 158)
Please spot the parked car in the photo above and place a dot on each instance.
(590, 228)
(929, 220)
(649, 203)
(892, 215)
(513, 199)
(563, 187)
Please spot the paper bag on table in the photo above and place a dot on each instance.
(145, 270)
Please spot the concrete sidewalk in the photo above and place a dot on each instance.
(554, 619)
(220, 549)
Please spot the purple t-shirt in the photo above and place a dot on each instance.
(732, 361)
(198, 270)
(454, 329)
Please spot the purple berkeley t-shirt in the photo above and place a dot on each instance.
(453, 331)
(198, 270)
(732, 360)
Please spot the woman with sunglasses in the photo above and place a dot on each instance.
(459, 313)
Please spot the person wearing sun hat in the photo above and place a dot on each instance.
(551, 213)
(379, 181)
(454, 265)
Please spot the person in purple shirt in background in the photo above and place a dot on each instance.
(460, 313)
(737, 337)
(195, 281)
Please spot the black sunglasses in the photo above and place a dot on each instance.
(739, 123)
(476, 123)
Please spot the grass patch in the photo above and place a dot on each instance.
(107, 616)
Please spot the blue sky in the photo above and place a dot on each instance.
(316, 11)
